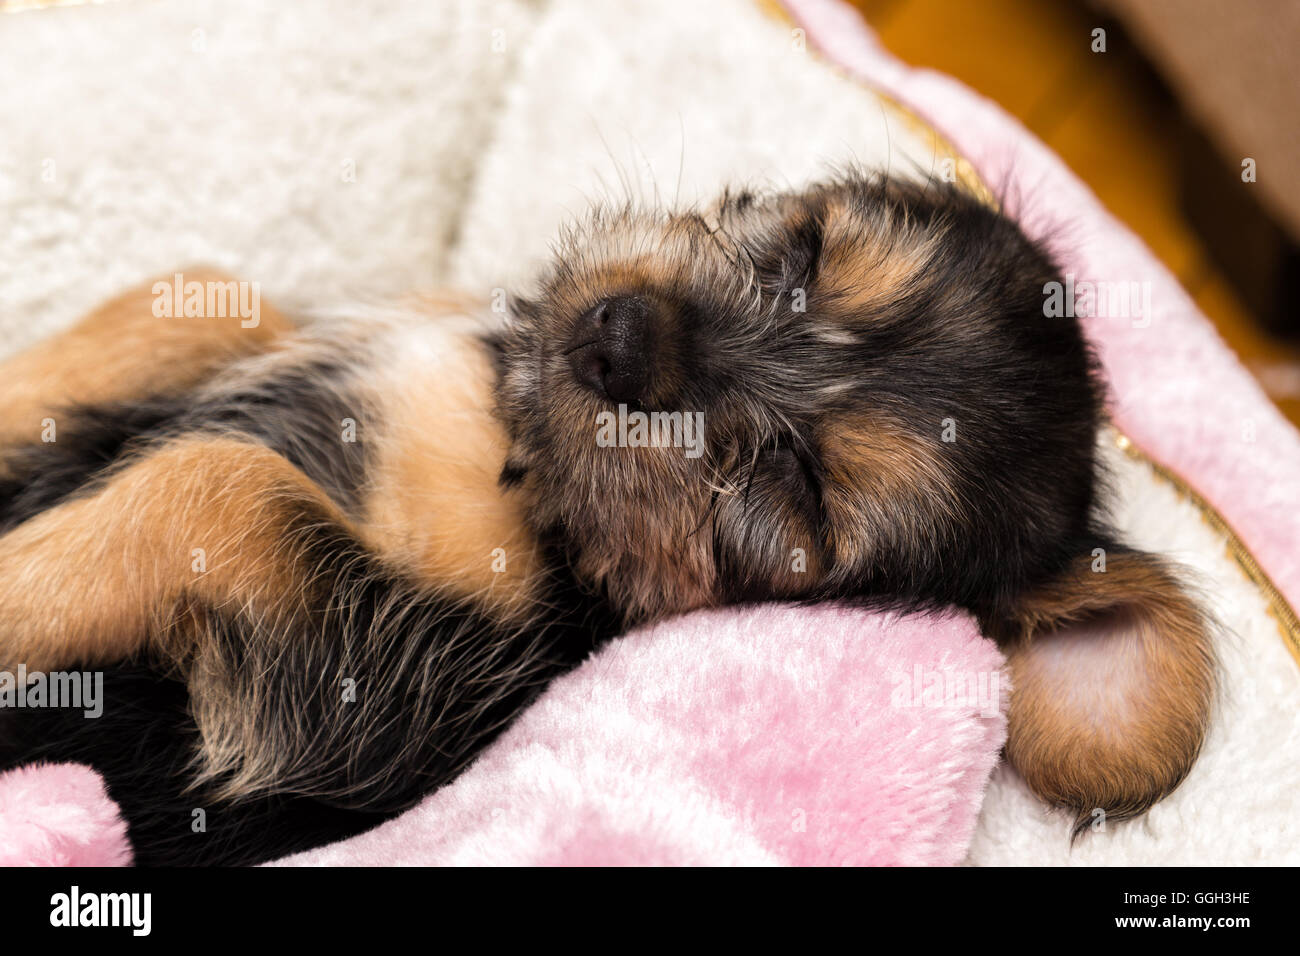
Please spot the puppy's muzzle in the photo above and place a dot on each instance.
(609, 349)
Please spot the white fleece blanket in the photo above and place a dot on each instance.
(267, 140)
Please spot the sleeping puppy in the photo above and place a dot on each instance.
(324, 564)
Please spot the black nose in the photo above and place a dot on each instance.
(610, 346)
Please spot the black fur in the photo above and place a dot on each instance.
(89, 440)
(144, 746)
(342, 765)
(289, 412)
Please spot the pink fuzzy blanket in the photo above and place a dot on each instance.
(759, 735)
(769, 734)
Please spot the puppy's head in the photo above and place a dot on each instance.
(881, 407)
(830, 380)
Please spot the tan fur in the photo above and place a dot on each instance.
(880, 466)
(84, 581)
(673, 568)
(434, 504)
(119, 351)
(1113, 680)
(869, 266)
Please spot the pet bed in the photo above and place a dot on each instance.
(333, 150)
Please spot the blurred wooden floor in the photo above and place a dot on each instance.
(1099, 113)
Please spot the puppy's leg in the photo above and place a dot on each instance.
(200, 523)
(315, 667)
(121, 351)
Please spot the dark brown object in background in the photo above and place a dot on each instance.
(1257, 254)
(1231, 68)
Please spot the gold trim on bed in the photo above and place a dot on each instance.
(1282, 612)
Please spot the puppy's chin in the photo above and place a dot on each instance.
(650, 590)
(630, 527)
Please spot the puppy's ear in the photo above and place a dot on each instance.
(1113, 678)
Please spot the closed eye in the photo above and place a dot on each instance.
(791, 261)
(791, 473)
(793, 461)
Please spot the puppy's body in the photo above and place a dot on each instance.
(314, 542)
(362, 547)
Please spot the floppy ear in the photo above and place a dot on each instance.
(1113, 677)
